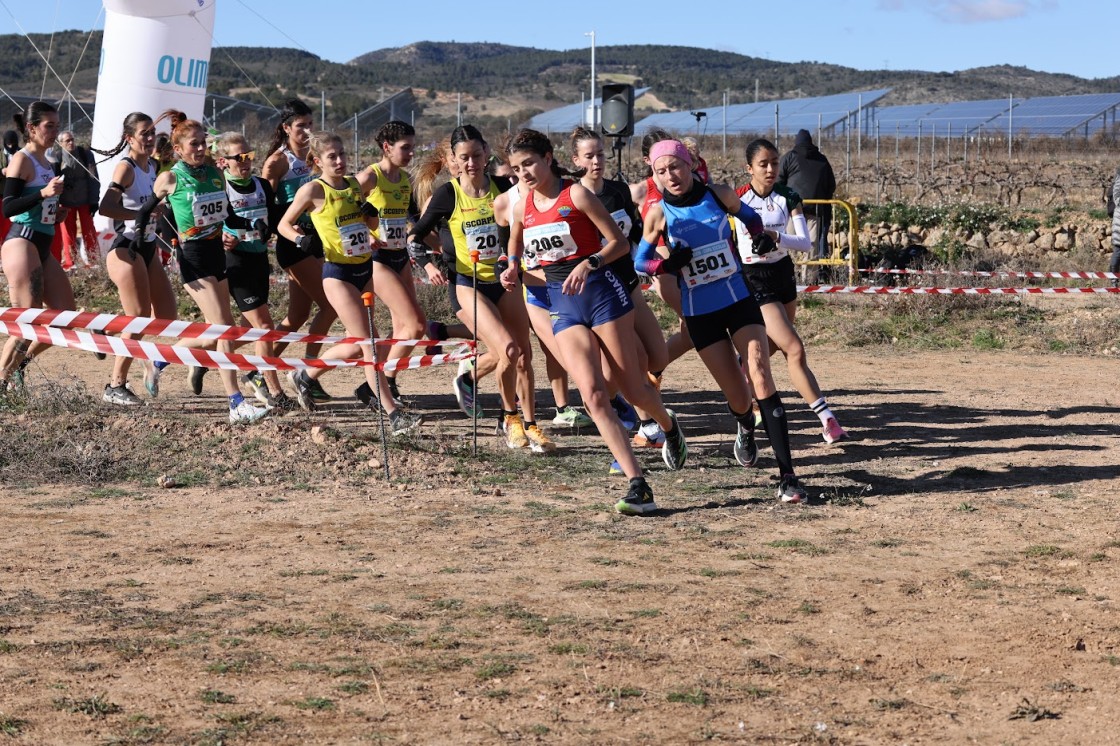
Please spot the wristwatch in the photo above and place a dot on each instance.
(595, 261)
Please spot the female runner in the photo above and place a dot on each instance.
(247, 253)
(392, 270)
(467, 204)
(561, 222)
(195, 190)
(588, 155)
(538, 306)
(771, 275)
(285, 169)
(135, 266)
(719, 311)
(342, 220)
(31, 191)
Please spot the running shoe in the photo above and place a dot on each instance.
(833, 433)
(317, 393)
(538, 441)
(515, 432)
(403, 422)
(394, 392)
(638, 501)
(649, 436)
(746, 452)
(791, 491)
(364, 394)
(246, 413)
(464, 394)
(675, 450)
(626, 414)
(122, 396)
(256, 382)
(16, 381)
(437, 331)
(615, 469)
(280, 402)
(500, 425)
(194, 377)
(571, 417)
(152, 375)
(301, 382)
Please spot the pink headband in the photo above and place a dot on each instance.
(669, 147)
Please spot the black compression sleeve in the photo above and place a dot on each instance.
(440, 208)
(14, 202)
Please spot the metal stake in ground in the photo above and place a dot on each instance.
(474, 360)
(367, 300)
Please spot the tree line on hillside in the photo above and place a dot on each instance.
(680, 76)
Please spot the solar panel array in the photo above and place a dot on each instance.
(1060, 115)
(787, 115)
(1078, 116)
(957, 118)
(565, 118)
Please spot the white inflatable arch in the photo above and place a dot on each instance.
(154, 56)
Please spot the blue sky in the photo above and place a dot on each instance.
(1061, 36)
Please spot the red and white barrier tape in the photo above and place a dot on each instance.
(973, 273)
(141, 350)
(113, 323)
(865, 290)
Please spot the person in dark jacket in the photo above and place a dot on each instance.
(81, 194)
(807, 171)
(10, 148)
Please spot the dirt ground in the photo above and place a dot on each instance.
(951, 581)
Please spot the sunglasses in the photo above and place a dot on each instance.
(242, 157)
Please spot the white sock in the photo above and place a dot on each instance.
(820, 407)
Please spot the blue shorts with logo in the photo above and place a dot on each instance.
(604, 299)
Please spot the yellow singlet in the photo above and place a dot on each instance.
(341, 226)
(391, 200)
(473, 226)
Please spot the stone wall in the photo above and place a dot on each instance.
(1092, 235)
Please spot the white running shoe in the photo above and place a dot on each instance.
(246, 413)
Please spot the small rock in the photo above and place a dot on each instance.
(374, 463)
(497, 492)
(166, 481)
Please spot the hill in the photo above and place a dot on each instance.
(509, 83)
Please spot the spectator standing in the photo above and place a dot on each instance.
(81, 194)
(806, 170)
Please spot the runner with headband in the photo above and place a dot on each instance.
(562, 223)
(588, 154)
(717, 305)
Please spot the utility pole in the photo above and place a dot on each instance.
(593, 118)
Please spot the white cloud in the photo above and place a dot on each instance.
(969, 11)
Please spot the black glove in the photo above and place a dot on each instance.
(762, 244)
(309, 244)
(368, 210)
(679, 257)
(261, 227)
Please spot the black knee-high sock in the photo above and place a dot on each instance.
(774, 419)
(746, 421)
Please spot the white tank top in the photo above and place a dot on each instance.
(133, 198)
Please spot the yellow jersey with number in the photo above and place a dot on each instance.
(391, 200)
(473, 227)
(341, 225)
